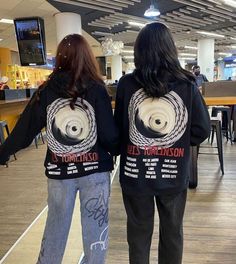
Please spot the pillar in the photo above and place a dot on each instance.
(206, 48)
(116, 67)
(67, 23)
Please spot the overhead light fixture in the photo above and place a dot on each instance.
(7, 21)
(0, 39)
(137, 24)
(152, 12)
(233, 47)
(230, 3)
(210, 34)
(190, 47)
(233, 38)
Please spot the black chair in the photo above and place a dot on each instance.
(3, 125)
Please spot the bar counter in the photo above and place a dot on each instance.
(13, 107)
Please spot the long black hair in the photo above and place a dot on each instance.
(156, 60)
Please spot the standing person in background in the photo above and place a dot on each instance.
(160, 113)
(75, 108)
(200, 78)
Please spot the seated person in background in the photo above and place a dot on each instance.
(3, 83)
(200, 78)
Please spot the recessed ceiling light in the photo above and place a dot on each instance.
(225, 54)
(187, 54)
(127, 51)
(190, 47)
(128, 57)
(0, 39)
(7, 21)
(210, 34)
(138, 24)
(187, 58)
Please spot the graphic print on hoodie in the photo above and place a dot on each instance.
(156, 121)
(71, 133)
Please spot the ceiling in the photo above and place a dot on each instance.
(101, 18)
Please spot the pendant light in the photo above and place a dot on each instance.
(152, 11)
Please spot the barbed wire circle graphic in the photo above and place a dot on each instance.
(71, 131)
(156, 121)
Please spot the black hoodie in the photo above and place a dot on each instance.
(156, 134)
(80, 141)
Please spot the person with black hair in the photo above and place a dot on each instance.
(75, 108)
(200, 78)
(160, 113)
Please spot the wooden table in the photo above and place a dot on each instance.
(224, 100)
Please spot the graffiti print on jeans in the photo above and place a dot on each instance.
(103, 241)
(98, 209)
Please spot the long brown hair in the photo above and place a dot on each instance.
(75, 57)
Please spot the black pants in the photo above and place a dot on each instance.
(140, 222)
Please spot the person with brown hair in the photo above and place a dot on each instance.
(75, 108)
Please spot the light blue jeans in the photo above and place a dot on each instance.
(94, 193)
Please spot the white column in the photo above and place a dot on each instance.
(116, 67)
(182, 63)
(67, 23)
(206, 48)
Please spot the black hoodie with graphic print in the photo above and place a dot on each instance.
(80, 141)
(156, 135)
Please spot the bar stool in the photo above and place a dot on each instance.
(216, 126)
(3, 124)
(228, 129)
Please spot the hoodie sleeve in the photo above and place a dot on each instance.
(119, 108)
(107, 132)
(30, 123)
(200, 123)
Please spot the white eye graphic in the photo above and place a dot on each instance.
(156, 122)
(155, 118)
(70, 127)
